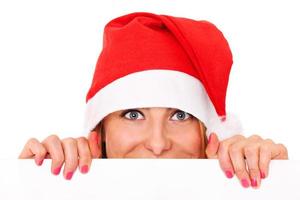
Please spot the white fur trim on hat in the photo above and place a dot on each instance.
(153, 88)
(224, 127)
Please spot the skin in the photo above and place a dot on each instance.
(158, 133)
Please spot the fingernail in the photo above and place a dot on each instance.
(56, 171)
(253, 182)
(245, 183)
(69, 175)
(84, 169)
(209, 138)
(262, 175)
(39, 162)
(228, 174)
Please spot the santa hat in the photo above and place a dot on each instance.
(151, 60)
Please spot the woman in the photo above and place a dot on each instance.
(159, 91)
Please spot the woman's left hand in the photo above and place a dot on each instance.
(248, 158)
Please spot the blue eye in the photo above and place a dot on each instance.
(180, 116)
(133, 115)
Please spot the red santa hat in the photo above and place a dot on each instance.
(151, 60)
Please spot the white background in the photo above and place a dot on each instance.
(48, 51)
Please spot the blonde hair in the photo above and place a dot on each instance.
(100, 130)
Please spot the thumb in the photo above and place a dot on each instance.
(212, 146)
(94, 140)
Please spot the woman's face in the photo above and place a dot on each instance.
(153, 133)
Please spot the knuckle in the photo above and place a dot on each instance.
(85, 155)
(32, 141)
(235, 138)
(68, 140)
(41, 151)
(269, 141)
(81, 139)
(255, 137)
(72, 161)
(254, 171)
(58, 158)
(52, 138)
(240, 172)
(240, 136)
(283, 148)
(85, 159)
(39, 148)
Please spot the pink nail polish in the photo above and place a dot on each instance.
(262, 175)
(253, 182)
(39, 162)
(209, 138)
(56, 171)
(245, 183)
(84, 169)
(228, 174)
(69, 175)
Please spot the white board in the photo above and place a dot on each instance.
(136, 179)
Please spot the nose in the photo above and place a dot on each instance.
(157, 141)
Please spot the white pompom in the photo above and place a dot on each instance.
(224, 128)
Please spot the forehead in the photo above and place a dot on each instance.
(165, 109)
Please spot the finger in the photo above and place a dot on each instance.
(223, 155)
(212, 146)
(280, 152)
(251, 152)
(268, 151)
(85, 156)
(94, 140)
(265, 155)
(54, 147)
(236, 153)
(71, 157)
(33, 148)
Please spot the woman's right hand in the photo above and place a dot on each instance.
(73, 152)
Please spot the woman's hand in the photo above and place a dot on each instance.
(71, 151)
(248, 158)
